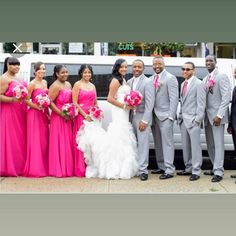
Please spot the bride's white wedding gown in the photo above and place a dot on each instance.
(110, 154)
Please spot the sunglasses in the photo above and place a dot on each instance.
(187, 69)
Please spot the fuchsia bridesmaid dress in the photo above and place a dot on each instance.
(37, 140)
(86, 100)
(13, 134)
(60, 140)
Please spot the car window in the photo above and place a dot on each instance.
(102, 75)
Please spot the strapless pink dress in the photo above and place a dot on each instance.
(86, 99)
(60, 140)
(13, 134)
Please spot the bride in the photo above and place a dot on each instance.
(111, 154)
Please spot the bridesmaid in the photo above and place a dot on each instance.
(37, 127)
(83, 96)
(13, 122)
(60, 138)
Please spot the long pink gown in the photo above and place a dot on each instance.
(13, 134)
(37, 140)
(86, 100)
(60, 140)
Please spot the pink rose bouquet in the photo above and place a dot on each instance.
(69, 109)
(20, 91)
(134, 98)
(43, 100)
(96, 113)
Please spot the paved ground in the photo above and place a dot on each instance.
(178, 184)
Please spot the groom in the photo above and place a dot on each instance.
(142, 119)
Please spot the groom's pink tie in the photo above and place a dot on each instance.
(185, 88)
(155, 82)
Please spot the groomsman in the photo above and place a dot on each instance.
(192, 111)
(166, 103)
(142, 119)
(232, 119)
(218, 90)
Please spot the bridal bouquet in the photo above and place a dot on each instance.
(95, 113)
(20, 91)
(134, 98)
(69, 109)
(42, 100)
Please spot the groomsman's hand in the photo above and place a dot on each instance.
(216, 121)
(229, 130)
(142, 126)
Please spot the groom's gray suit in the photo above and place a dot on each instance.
(192, 112)
(143, 113)
(217, 104)
(166, 103)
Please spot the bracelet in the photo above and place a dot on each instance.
(124, 107)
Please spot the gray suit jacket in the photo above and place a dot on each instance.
(145, 87)
(217, 103)
(193, 104)
(167, 96)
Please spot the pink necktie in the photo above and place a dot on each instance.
(155, 82)
(185, 87)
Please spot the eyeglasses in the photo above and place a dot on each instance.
(187, 69)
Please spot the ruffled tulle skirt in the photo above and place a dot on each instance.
(108, 154)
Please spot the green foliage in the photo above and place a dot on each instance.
(9, 47)
(163, 48)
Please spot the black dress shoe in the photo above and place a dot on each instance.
(183, 172)
(194, 177)
(158, 171)
(166, 176)
(233, 176)
(216, 178)
(208, 172)
(143, 177)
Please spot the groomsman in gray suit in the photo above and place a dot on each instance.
(166, 103)
(218, 89)
(142, 118)
(192, 111)
(232, 120)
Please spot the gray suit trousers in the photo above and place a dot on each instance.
(215, 146)
(192, 152)
(143, 143)
(164, 144)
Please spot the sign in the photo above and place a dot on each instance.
(126, 46)
(75, 47)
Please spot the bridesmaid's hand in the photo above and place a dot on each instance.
(14, 99)
(88, 118)
(66, 117)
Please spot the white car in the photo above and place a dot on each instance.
(102, 68)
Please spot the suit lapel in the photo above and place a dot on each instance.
(139, 82)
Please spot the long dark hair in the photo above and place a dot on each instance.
(82, 69)
(10, 61)
(56, 70)
(115, 70)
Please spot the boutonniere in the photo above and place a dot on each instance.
(210, 85)
(158, 85)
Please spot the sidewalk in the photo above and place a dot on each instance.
(178, 184)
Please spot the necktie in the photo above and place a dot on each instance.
(155, 82)
(185, 88)
(209, 77)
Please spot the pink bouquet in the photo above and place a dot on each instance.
(210, 85)
(42, 100)
(20, 91)
(134, 98)
(96, 113)
(69, 109)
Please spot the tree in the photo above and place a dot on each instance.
(9, 47)
(163, 48)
